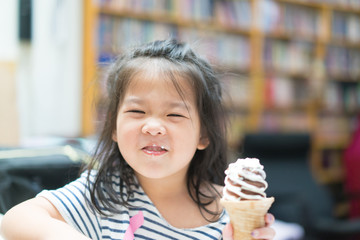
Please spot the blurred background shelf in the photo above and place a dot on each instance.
(293, 60)
(274, 43)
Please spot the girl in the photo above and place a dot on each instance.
(159, 162)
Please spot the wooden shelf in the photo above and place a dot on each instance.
(347, 9)
(332, 6)
(344, 77)
(331, 142)
(343, 42)
(283, 35)
(210, 25)
(296, 107)
(297, 75)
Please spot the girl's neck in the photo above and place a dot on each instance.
(172, 199)
(169, 187)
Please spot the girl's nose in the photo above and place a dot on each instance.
(153, 127)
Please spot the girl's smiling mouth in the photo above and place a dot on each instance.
(154, 150)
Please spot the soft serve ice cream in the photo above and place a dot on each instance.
(244, 197)
(245, 179)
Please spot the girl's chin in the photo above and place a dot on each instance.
(155, 175)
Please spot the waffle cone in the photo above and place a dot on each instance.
(247, 215)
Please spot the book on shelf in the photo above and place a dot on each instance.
(271, 16)
(237, 91)
(139, 6)
(228, 50)
(291, 57)
(342, 97)
(285, 93)
(332, 98)
(117, 34)
(151, 4)
(290, 18)
(346, 26)
(200, 10)
(295, 121)
(335, 3)
(233, 13)
(343, 62)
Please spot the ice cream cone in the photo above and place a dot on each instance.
(247, 215)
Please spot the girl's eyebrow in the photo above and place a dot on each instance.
(179, 104)
(133, 99)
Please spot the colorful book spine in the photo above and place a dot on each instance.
(342, 97)
(343, 63)
(233, 13)
(117, 34)
(289, 18)
(285, 93)
(292, 57)
(346, 27)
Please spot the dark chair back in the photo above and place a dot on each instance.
(286, 159)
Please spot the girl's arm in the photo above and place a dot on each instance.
(261, 233)
(37, 218)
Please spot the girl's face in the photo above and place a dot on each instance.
(157, 130)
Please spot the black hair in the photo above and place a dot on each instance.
(207, 166)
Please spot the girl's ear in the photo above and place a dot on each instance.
(114, 137)
(203, 143)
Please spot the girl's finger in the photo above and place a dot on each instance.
(263, 233)
(227, 232)
(269, 219)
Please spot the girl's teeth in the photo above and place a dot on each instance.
(155, 148)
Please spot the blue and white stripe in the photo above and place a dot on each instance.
(73, 206)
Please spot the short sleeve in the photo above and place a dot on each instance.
(73, 203)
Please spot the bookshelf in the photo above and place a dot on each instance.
(290, 65)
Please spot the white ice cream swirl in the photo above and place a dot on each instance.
(245, 179)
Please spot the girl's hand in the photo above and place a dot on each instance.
(261, 233)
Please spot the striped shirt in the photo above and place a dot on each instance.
(140, 221)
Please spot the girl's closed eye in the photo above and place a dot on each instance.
(135, 111)
(175, 115)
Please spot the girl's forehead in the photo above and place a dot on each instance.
(156, 86)
(159, 76)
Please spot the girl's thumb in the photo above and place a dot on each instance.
(227, 232)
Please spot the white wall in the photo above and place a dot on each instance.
(49, 68)
(56, 61)
(8, 30)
